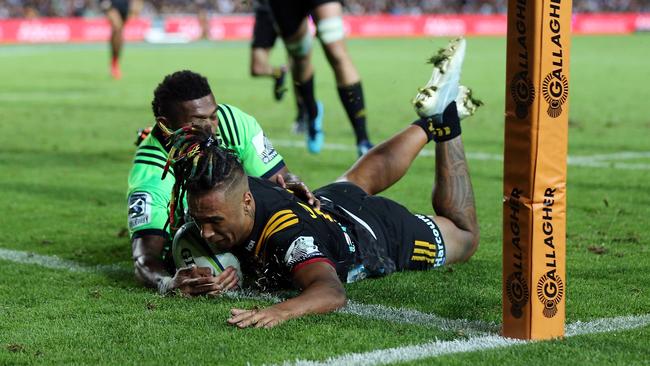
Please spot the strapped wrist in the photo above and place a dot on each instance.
(165, 285)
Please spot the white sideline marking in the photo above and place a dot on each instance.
(409, 316)
(439, 348)
(54, 262)
(479, 341)
(611, 161)
(386, 313)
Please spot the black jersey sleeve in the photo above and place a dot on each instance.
(295, 247)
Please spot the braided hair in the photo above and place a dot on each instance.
(199, 164)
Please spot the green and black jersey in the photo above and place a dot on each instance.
(148, 195)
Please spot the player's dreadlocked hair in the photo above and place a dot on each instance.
(199, 164)
(180, 86)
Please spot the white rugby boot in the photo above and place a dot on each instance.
(443, 87)
(466, 104)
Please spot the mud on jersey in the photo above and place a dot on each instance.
(148, 195)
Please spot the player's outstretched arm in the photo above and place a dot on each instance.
(322, 292)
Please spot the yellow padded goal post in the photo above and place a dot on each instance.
(535, 156)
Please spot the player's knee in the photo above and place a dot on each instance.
(471, 244)
(300, 47)
(330, 30)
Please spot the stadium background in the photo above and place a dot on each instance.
(75, 8)
(67, 293)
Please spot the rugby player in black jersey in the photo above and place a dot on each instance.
(281, 241)
(292, 19)
(264, 37)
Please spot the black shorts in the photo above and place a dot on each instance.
(264, 33)
(122, 7)
(289, 14)
(390, 237)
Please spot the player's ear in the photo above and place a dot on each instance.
(248, 202)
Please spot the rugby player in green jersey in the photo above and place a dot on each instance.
(281, 242)
(182, 99)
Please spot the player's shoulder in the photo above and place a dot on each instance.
(274, 204)
(234, 125)
(233, 115)
(148, 165)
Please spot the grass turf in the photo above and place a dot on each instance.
(66, 149)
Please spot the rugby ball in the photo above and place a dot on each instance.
(189, 248)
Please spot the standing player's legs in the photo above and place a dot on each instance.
(116, 12)
(329, 25)
(264, 36)
(202, 15)
(292, 21)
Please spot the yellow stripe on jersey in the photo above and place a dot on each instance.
(424, 251)
(424, 244)
(428, 253)
(420, 258)
(283, 222)
(276, 220)
(285, 225)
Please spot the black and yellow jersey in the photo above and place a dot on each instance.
(288, 234)
(358, 234)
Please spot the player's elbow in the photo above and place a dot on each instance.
(340, 300)
(336, 298)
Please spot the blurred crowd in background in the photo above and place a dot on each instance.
(77, 8)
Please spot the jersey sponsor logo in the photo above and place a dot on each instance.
(139, 209)
(300, 250)
(250, 245)
(264, 148)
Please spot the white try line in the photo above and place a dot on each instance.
(607, 161)
(379, 312)
(480, 343)
(483, 335)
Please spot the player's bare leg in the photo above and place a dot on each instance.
(299, 49)
(329, 25)
(117, 40)
(260, 66)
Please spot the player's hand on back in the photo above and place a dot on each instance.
(194, 281)
(299, 189)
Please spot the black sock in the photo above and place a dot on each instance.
(306, 94)
(352, 99)
(441, 127)
(301, 112)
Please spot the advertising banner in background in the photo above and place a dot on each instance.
(63, 30)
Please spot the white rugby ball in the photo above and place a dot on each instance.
(189, 249)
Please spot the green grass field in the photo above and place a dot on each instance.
(66, 148)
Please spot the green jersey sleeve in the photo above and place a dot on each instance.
(148, 195)
(241, 132)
